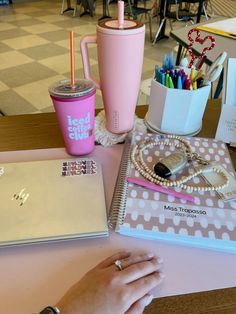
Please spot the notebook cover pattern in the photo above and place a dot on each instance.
(207, 222)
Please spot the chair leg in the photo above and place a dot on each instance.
(208, 13)
(185, 52)
(150, 26)
(76, 13)
(171, 24)
(205, 12)
(94, 7)
(178, 56)
(75, 8)
(212, 13)
(139, 97)
(62, 6)
(80, 9)
(158, 31)
(68, 8)
(219, 85)
(107, 7)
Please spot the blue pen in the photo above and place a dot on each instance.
(160, 75)
(164, 61)
(179, 82)
(163, 81)
(174, 78)
(156, 72)
(171, 60)
(167, 63)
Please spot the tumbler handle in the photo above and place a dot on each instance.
(85, 57)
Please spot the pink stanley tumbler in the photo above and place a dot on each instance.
(74, 106)
(120, 48)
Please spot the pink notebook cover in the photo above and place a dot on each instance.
(208, 222)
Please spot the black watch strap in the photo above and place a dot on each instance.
(50, 310)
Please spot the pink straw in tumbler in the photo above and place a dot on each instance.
(121, 14)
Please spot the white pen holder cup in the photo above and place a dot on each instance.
(176, 111)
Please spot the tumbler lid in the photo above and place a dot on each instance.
(65, 89)
(114, 24)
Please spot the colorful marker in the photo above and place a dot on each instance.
(179, 82)
(171, 84)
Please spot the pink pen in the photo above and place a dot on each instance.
(160, 189)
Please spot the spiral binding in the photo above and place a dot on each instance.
(118, 203)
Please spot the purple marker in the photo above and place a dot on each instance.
(184, 77)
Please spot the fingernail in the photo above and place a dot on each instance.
(161, 275)
(160, 260)
(150, 255)
(149, 299)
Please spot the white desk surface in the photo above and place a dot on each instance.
(37, 275)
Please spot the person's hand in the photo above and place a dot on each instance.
(107, 290)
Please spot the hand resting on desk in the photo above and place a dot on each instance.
(108, 288)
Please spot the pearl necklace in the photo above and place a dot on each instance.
(141, 166)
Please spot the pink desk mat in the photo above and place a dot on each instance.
(37, 275)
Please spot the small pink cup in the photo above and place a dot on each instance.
(75, 110)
